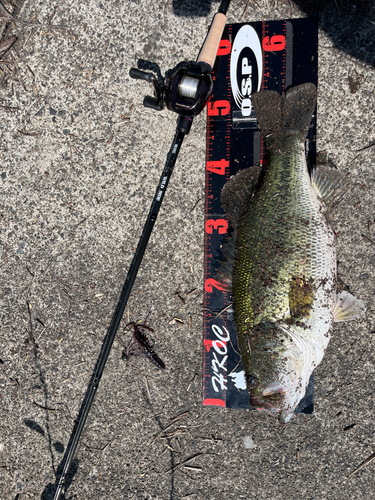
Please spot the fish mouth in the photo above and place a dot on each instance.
(272, 397)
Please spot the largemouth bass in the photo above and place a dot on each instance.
(284, 272)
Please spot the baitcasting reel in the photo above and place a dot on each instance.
(185, 92)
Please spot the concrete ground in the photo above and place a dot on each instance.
(80, 159)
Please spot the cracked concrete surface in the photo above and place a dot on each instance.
(80, 158)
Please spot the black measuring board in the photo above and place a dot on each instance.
(273, 55)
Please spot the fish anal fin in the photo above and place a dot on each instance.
(237, 189)
(285, 415)
(331, 185)
(347, 307)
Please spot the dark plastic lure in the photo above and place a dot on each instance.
(143, 342)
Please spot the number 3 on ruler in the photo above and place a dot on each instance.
(221, 225)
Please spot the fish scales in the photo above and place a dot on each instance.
(281, 232)
(284, 273)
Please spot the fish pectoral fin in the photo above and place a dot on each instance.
(224, 278)
(331, 185)
(237, 189)
(347, 307)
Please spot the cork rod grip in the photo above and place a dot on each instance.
(211, 44)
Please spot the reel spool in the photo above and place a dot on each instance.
(185, 92)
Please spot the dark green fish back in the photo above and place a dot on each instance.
(274, 224)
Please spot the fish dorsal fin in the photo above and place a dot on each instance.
(234, 193)
(286, 114)
(347, 307)
(237, 189)
(330, 184)
(224, 272)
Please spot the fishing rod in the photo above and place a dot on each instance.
(185, 92)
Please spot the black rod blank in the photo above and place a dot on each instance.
(183, 128)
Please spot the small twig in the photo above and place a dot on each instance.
(237, 365)
(174, 434)
(9, 108)
(195, 204)
(190, 321)
(367, 147)
(53, 14)
(66, 293)
(182, 464)
(191, 210)
(366, 462)
(181, 299)
(182, 415)
(194, 377)
(248, 1)
(31, 71)
(368, 239)
(370, 146)
(27, 39)
(52, 261)
(338, 10)
(32, 134)
(71, 159)
(6, 44)
(223, 310)
(108, 444)
(83, 220)
(179, 417)
(245, 9)
(12, 18)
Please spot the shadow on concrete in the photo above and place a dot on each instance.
(50, 490)
(349, 25)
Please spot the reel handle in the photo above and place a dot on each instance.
(138, 74)
(151, 102)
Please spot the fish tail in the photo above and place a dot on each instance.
(286, 114)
